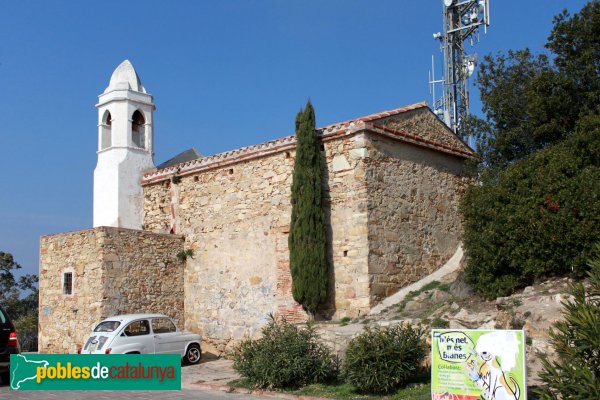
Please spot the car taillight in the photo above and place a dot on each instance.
(107, 351)
(12, 339)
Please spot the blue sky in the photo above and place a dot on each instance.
(224, 74)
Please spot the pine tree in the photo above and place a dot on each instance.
(575, 374)
(307, 239)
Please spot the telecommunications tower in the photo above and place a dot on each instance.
(462, 20)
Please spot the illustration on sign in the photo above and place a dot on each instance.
(478, 364)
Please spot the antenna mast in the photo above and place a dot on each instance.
(462, 19)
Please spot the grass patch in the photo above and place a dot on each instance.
(344, 321)
(345, 391)
(440, 323)
(445, 287)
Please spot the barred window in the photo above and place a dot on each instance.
(68, 283)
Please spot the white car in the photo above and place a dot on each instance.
(143, 334)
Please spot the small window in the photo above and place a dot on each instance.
(345, 253)
(137, 328)
(68, 283)
(163, 325)
(230, 171)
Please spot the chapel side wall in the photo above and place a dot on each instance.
(64, 320)
(415, 224)
(143, 273)
(236, 219)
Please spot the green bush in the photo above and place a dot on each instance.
(539, 219)
(381, 360)
(575, 374)
(286, 356)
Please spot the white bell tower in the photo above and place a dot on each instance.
(125, 150)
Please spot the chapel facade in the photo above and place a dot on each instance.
(393, 185)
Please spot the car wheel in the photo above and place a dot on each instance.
(192, 354)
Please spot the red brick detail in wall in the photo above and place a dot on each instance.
(284, 280)
(286, 306)
(293, 313)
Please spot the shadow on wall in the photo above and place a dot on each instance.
(327, 310)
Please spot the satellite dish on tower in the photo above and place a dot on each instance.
(448, 3)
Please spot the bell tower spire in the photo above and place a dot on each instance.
(125, 149)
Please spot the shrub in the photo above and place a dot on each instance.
(381, 360)
(576, 372)
(539, 219)
(285, 356)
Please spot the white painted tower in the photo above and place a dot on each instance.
(125, 150)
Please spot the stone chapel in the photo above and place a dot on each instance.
(393, 184)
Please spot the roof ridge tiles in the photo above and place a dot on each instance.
(274, 143)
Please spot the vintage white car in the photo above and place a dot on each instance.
(143, 334)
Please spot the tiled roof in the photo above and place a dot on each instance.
(289, 142)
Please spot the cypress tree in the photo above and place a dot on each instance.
(307, 239)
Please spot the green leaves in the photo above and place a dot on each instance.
(540, 218)
(307, 240)
(575, 372)
(532, 101)
(536, 213)
(23, 310)
(381, 360)
(286, 356)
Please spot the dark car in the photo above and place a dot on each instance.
(9, 344)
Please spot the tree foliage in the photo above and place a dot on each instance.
(11, 288)
(575, 372)
(20, 299)
(307, 239)
(532, 101)
(537, 210)
(540, 218)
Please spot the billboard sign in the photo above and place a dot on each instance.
(475, 364)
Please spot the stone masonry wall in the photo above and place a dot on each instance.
(424, 124)
(143, 273)
(115, 271)
(414, 219)
(63, 319)
(236, 219)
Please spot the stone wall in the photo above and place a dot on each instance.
(414, 219)
(115, 271)
(424, 124)
(236, 219)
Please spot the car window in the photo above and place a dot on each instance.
(2, 317)
(107, 326)
(137, 328)
(163, 325)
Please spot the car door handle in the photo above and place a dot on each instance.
(156, 336)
